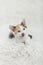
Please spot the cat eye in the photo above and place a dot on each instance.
(18, 30)
(23, 28)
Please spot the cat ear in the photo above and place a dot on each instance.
(12, 27)
(23, 23)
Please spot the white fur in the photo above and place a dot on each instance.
(18, 36)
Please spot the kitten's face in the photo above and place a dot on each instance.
(19, 30)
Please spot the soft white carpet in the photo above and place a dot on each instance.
(12, 53)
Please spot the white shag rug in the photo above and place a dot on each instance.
(12, 53)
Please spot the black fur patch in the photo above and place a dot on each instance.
(11, 36)
(30, 36)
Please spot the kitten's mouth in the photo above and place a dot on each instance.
(21, 36)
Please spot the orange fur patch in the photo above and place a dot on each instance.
(17, 28)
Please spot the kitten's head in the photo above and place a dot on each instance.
(19, 30)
